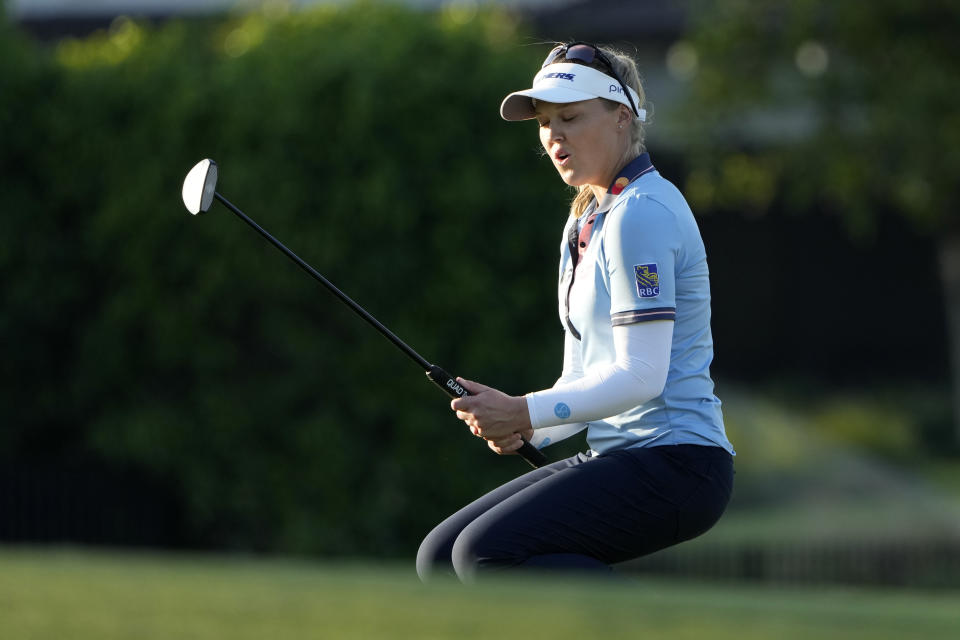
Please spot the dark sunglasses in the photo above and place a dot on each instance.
(586, 53)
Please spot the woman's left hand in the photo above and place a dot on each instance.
(489, 413)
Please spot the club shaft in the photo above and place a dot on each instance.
(440, 377)
(347, 300)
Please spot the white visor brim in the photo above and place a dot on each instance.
(519, 104)
(563, 83)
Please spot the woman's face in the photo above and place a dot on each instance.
(583, 140)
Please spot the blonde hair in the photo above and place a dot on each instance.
(626, 68)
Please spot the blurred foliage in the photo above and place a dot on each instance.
(810, 110)
(899, 424)
(138, 337)
(370, 143)
(841, 465)
(885, 429)
(809, 104)
(906, 425)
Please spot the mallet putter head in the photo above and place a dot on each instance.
(199, 186)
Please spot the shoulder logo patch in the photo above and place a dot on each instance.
(648, 280)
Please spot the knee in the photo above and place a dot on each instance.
(464, 556)
(478, 549)
(438, 555)
(433, 556)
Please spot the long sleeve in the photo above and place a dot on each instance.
(637, 375)
(572, 370)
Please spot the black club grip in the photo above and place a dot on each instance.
(455, 390)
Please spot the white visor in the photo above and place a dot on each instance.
(566, 82)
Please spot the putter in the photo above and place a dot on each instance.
(199, 192)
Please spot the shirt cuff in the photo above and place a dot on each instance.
(643, 315)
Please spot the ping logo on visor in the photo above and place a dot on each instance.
(565, 82)
(648, 280)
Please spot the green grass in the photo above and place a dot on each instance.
(79, 595)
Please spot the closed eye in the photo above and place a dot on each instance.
(544, 123)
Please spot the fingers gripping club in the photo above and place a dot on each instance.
(455, 390)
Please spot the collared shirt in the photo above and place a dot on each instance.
(644, 260)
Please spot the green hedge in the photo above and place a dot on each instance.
(368, 140)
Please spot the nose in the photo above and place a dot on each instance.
(552, 133)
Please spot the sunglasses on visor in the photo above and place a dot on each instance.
(586, 53)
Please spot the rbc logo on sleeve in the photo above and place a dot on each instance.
(648, 280)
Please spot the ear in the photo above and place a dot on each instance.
(624, 116)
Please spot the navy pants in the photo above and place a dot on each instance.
(584, 513)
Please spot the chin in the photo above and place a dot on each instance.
(570, 178)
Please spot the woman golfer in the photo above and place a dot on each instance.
(634, 299)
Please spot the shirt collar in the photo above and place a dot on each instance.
(633, 170)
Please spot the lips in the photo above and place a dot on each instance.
(560, 156)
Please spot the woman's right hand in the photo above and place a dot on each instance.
(508, 445)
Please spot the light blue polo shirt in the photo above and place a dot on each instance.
(644, 261)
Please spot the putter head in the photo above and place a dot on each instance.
(199, 186)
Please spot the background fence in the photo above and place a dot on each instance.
(927, 564)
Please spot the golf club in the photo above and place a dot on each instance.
(199, 192)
